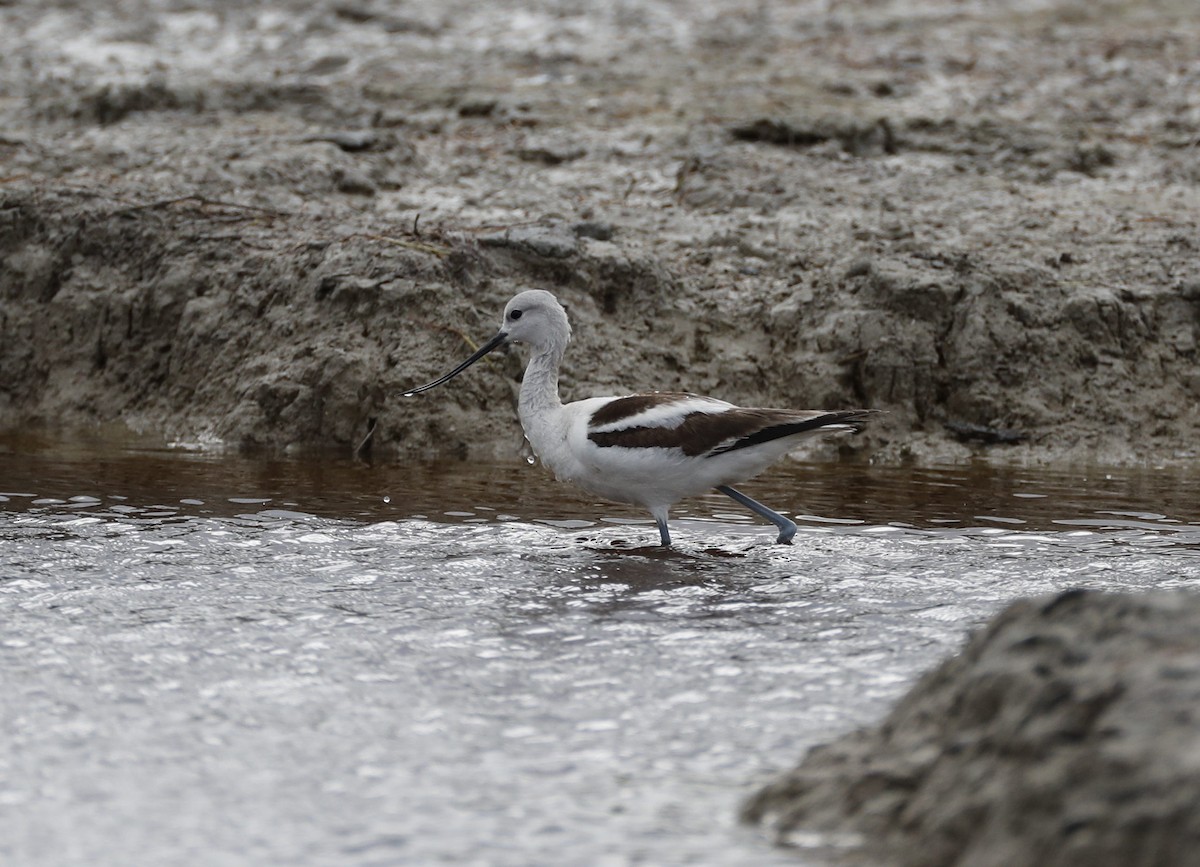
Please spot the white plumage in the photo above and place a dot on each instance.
(651, 450)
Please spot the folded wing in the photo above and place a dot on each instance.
(703, 427)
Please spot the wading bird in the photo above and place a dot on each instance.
(653, 449)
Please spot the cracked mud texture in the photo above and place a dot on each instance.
(1064, 733)
(254, 224)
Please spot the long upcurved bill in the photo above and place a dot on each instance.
(497, 341)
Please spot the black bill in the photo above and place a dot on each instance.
(496, 342)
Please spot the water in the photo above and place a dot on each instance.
(223, 661)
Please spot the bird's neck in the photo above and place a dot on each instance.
(539, 386)
(539, 405)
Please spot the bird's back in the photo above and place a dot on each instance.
(657, 448)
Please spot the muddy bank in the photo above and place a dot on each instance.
(1064, 733)
(253, 226)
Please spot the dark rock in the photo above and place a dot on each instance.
(551, 154)
(985, 434)
(353, 140)
(552, 242)
(861, 267)
(1065, 733)
(1090, 159)
(856, 136)
(111, 103)
(328, 64)
(477, 107)
(354, 182)
(597, 231)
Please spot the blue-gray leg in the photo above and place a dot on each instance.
(787, 528)
(660, 518)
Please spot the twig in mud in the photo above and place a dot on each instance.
(236, 238)
(363, 451)
(86, 192)
(203, 203)
(450, 329)
(682, 174)
(420, 246)
(494, 227)
(457, 332)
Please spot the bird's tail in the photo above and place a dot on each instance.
(850, 420)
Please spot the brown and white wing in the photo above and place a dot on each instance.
(704, 427)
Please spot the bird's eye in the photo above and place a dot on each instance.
(514, 314)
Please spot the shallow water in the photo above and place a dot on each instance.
(227, 661)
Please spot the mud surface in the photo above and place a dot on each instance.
(252, 223)
(1064, 733)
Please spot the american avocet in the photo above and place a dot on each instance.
(651, 450)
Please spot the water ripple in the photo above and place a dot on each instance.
(425, 689)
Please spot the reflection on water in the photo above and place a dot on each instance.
(220, 660)
(818, 494)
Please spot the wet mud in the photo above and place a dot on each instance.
(252, 226)
(1060, 735)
